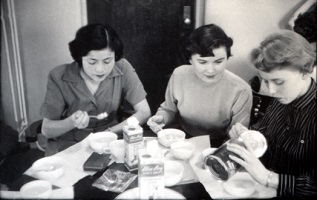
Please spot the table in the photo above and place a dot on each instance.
(75, 177)
(204, 185)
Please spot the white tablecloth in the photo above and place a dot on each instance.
(214, 186)
(76, 155)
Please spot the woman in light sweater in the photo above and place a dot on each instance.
(207, 98)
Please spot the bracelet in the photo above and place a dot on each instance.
(269, 179)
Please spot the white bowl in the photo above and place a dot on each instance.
(38, 189)
(48, 168)
(100, 141)
(240, 185)
(117, 150)
(173, 172)
(168, 136)
(182, 150)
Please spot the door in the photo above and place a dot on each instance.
(152, 32)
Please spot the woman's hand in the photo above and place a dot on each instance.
(156, 123)
(236, 130)
(80, 119)
(249, 161)
(56, 128)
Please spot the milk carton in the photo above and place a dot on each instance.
(151, 175)
(133, 141)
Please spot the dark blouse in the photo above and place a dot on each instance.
(290, 131)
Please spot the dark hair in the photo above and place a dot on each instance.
(282, 50)
(305, 25)
(95, 37)
(204, 39)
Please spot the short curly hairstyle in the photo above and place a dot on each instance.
(95, 37)
(282, 50)
(204, 39)
(305, 25)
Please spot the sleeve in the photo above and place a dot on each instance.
(297, 186)
(242, 108)
(168, 108)
(133, 90)
(305, 183)
(54, 103)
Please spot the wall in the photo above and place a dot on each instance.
(248, 22)
(44, 30)
(46, 27)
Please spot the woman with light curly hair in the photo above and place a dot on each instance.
(284, 61)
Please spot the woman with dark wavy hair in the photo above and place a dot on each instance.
(97, 82)
(207, 98)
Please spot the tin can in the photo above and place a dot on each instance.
(133, 141)
(150, 175)
(219, 163)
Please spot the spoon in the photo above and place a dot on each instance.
(166, 153)
(159, 128)
(100, 116)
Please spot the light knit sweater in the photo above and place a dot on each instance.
(206, 109)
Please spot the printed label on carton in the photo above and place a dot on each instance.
(133, 139)
(151, 178)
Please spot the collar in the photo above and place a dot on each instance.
(72, 72)
(309, 96)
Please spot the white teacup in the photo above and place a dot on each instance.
(117, 150)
